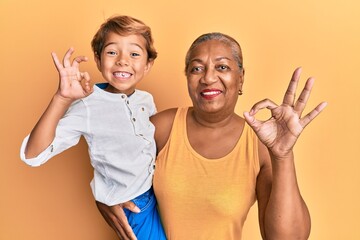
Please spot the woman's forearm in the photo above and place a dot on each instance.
(287, 216)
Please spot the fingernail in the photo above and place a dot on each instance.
(136, 209)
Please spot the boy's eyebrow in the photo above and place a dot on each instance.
(136, 44)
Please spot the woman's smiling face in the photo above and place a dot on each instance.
(214, 76)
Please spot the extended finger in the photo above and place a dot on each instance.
(311, 115)
(56, 61)
(117, 228)
(66, 60)
(304, 96)
(121, 232)
(118, 221)
(290, 93)
(113, 223)
(124, 226)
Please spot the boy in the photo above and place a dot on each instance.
(113, 117)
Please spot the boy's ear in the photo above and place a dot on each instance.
(98, 61)
(149, 64)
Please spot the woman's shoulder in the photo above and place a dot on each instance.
(164, 119)
(163, 122)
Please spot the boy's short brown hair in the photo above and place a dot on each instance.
(123, 25)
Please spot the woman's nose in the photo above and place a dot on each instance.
(209, 77)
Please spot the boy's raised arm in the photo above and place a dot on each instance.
(73, 85)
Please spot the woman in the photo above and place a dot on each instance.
(213, 165)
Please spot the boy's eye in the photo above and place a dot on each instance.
(134, 54)
(111, 53)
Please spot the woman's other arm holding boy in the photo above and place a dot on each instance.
(73, 85)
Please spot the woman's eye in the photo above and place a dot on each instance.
(223, 67)
(196, 69)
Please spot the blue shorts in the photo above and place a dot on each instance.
(146, 224)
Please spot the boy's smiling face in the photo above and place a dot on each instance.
(123, 62)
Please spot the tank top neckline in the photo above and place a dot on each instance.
(195, 153)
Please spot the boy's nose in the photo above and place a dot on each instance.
(122, 61)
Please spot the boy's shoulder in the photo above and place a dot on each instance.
(142, 92)
(144, 95)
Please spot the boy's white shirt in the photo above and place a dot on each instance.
(121, 142)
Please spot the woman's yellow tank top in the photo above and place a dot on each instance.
(201, 198)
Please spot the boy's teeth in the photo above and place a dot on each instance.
(122, 74)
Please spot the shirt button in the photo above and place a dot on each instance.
(122, 96)
(151, 167)
(142, 109)
(134, 119)
(127, 102)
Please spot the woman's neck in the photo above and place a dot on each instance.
(211, 120)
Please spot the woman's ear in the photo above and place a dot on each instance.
(241, 80)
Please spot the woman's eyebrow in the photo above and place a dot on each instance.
(198, 60)
(222, 58)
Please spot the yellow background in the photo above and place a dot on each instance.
(55, 201)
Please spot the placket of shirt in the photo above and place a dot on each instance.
(133, 118)
(137, 127)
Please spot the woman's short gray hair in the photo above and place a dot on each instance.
(235, 46)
